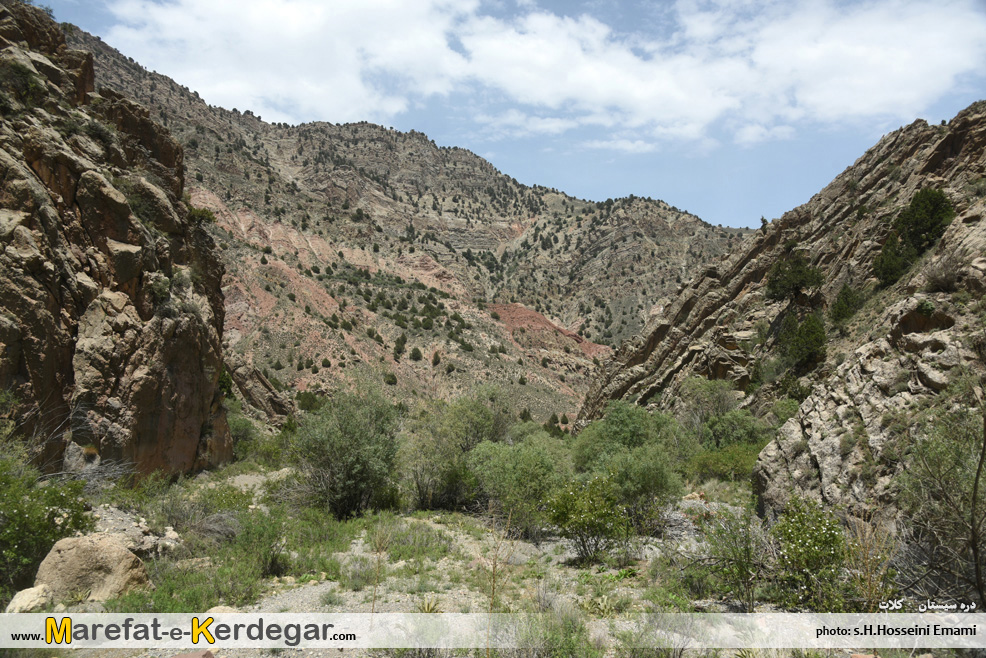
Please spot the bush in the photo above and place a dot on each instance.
(436, 448)
(346, 451)
(790, 276)
(894, 259)
(520, 477)
(739, 553)
(26, 87)
(924, 221)
(32, 519)
(917, 229)
(588, 514)
(848, 301)
(802, 343)
(736, 426)
(944, 495)
(811, 554)
(705, 399)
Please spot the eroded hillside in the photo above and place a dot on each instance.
(325, 227)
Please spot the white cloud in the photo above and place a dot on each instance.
(623, 145)
(755, 69)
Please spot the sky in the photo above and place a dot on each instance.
(729, 109)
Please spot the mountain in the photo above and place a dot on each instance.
(909, 347)
(355, 245)
(111, 309)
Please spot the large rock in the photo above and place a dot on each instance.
(96, 567)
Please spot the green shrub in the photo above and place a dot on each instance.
(739, 551)
(925, 219)
(588, 513)
(736, 426)
(26, 87)
(894, 259)
(848, 301)
(785, 409)
(435, 450)
(346, 451)
(803, 343)
(32, 519)
(734, 463)
(945, 500)
(705, 399)
(520, 477)
(390, 379)
(792, 275)
(811, 554)
(916, 229)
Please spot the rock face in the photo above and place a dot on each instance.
(98, 567)
(907, 345)
(111, 310)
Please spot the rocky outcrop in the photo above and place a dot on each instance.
(111, 310)
(841, 447)
(93, 567)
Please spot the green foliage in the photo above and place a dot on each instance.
(917, 229)
(225, 384)
(848, 301)
(636, 451)
(894, 259)
(22, 82)
(812, 552)
(201, 215)
(733, 463)
(32, 519)
(735, 426)
(924, 221)
(346, 451)
(739, 553)
(588, 513)
(803, 343)
(785, 409)
(704, 399)
(790, 276)
(309, 400)
(946, 505)
(435, 450)
(416, 354)
(519, 477)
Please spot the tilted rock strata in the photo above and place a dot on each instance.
(899, 354)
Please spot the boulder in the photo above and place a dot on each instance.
(98, 567)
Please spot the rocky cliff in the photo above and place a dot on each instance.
(907, 345)
(111, 311)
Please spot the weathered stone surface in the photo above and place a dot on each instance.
(99, 342)
(97, 567)
(31, 599)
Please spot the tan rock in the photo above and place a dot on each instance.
(96, 567)
(31, 599)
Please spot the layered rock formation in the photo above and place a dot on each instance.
(905, 347)
(111, 311)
